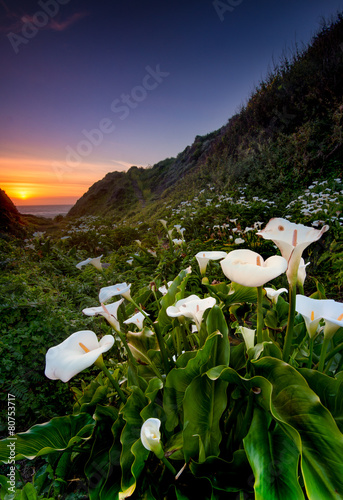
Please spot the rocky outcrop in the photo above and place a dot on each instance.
(10, 220)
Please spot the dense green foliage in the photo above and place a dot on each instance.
(43, 294)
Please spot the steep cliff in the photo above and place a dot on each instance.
(10, 219)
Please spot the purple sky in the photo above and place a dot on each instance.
(91, 87)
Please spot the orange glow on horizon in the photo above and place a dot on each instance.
(35, 181)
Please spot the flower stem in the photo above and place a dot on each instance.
(156, 299)
(169, 465)
(291, 316)
(113, 382)
(259, 314)
(334, 351)
(160, 341)
(323, 354)
(127, 348)
(309, 361)
(157, 330)
(301, 289)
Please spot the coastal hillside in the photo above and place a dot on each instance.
(11, 221)
(288, 134)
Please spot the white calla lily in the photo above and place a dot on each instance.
(248, 335)
(76, 353)
(333, 317)
(312, 310)
(109, 312)
(177, 241)
(291, 239)
(204, 257)
(302, 272)
(108, 292)
(137, 319)
(151, 436)
(248, 268)
(94, 262)
(164, 289)
(273, 295)
(191, 307)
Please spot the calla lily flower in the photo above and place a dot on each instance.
(302, 272)
(76, 353)
(151, 436)
(313, 310)
(191, 307)
(248, 336)
(291, 239)
(137, 319)
(273, 295)
(249, 269)
(204, 257)
(333, 317)
(177, 241)
(95, 262)
(38, 234)
(109, 312)
(239, 241)
(108, 292)
(163, 289)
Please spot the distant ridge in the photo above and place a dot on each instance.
(288, 134)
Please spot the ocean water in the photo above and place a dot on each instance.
(48, 211)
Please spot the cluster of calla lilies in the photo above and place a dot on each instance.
(243, 266)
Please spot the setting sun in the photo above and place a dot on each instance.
(23, 195)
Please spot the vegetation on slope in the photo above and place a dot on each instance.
(287, 135)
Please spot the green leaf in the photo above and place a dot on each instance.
(237, 356)
(295, 404)
(178, 379)
(329, 390)
(274, 458)
(233, 293)
(204, 403)
(152, 410)
(27, 493)
(226, 476)
(91, 395)
(138, 407)
(205, 400)
(57, 435)
(216, 322)
(4, 491)
(102, 471)
(130, 436)
(173, 448)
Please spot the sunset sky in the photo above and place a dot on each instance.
(91, 87)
